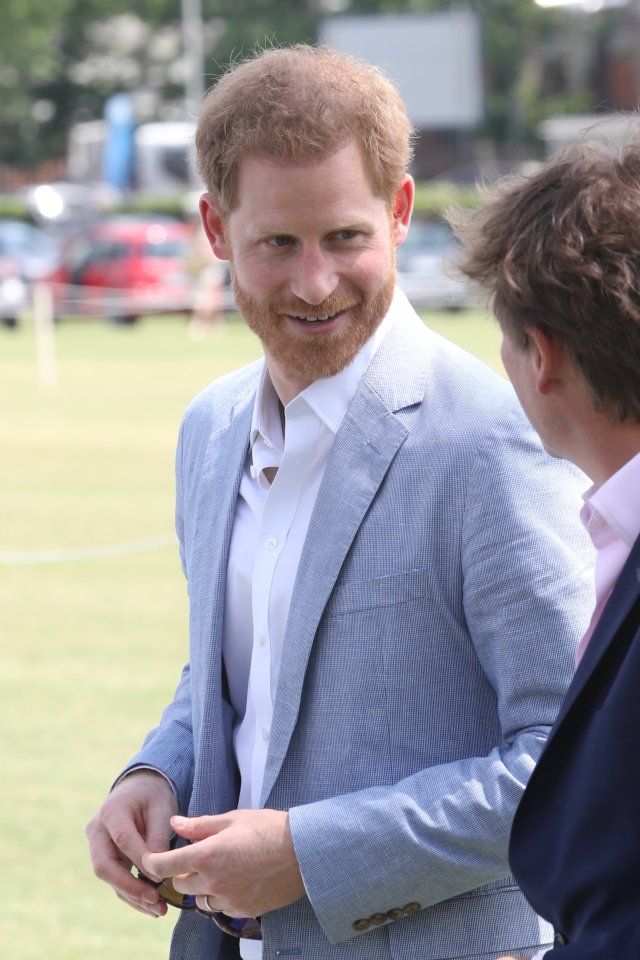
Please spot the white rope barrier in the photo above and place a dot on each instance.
(29, 558)
(73, 300)
(82, 300)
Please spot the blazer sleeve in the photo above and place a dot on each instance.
(444, 830)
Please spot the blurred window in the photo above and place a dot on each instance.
(174, 161)
(170, 248)
(22, 238)
(85, 252)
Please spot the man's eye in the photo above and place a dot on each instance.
(280, 241)
(346, 234)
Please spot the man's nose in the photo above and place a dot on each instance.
(314, 276)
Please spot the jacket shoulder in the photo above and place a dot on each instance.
(467, 404)
(212, 408)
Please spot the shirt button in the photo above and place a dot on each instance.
(265, 734)
(259, 640)
(253, 471)
(271, 543)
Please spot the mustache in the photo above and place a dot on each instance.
(335, 303)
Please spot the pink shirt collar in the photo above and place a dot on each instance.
(614, 507)
(611, 517)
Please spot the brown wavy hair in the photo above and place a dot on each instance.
(560, 250)
(301, 103)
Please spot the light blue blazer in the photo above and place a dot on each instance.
(442, 589)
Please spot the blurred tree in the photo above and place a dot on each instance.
(248, 23)
(61, 60)
(520, 89)
(28, 65)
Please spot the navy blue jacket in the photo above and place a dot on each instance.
(575, 844)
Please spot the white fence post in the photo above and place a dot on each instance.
(45, 340)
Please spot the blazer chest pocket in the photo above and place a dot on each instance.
(353, 595)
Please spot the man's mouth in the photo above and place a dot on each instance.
(316, 319)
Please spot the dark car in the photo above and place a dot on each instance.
(13, 292)
(124, 268)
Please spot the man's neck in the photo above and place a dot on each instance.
(287, 386)
(607, 448)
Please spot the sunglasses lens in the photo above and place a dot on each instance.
(168, 893)
(174, 898)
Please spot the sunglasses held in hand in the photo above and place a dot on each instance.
(244, 928)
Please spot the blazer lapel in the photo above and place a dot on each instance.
(216, 506)
(365, 446)
(217, 495)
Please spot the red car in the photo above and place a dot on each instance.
(124, 268)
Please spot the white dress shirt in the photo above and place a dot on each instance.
(278, 489)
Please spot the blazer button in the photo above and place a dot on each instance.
(412, 908)
(378, 918)
(361, 925)
(560, 940)
(395, 913)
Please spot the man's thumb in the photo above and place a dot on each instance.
(195, 828)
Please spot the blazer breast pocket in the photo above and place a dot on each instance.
(357, 595)
(407, 615)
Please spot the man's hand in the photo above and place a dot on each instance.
(133, 821)
(243, 862)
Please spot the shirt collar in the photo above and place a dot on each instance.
(266, 421)
(613, 508)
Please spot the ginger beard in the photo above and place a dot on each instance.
(316, 356)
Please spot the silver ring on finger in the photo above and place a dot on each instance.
(208, 905)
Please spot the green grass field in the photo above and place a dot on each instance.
(92, 645)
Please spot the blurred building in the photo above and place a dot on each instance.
(436, 62)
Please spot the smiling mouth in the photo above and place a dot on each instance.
(321, 318)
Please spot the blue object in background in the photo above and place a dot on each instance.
(117, 166)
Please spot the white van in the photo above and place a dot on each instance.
(163, 156)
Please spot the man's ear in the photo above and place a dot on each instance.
(214, 227)
(402, 209)
(548, 356)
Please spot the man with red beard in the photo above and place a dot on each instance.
(386, 583)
